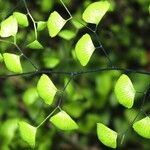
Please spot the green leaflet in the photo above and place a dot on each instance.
(46, 89)
(21, 19)
(9, 27)
(67, 34)
(84, 49)
(106, 135)
(95, 11)
(7, 130)
(63, 121)
(28, 133)
(55, 23)
(41, 25)
(30, 96)
(51, 61)
(142, 127)
(125, 91)
(35, 45)
(12, 62)
(78, 25)
(46, 5)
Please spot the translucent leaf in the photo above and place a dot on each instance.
(55, 23)
(77, 25)
(142, 127)
(51, 61)
(28, 133)
(63, 121)
(106, 135)
(73, 108)
(84, 49)
(125, 91)
(35, 45)
(41, 25)
(46, 5)
(46, 89)
(8, 129)
(21, 19)
(95, 11)
(12, 62)
(9, 27)
(67, 34)
(30, 96)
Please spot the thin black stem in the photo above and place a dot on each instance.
(33, 21)
(25, 4)
(77, 73)
(66, 10)
(102, 48)
(47, 117)
(125, 133)
(35, 67)
(146, 93)
(63, 90)
(19, 49)
(83, 24)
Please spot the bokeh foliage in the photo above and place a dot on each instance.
(89, 98)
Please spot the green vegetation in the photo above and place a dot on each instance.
(74, 75)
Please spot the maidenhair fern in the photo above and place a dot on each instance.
(125, 91)
(106, 135)
(66, 122)
(35, 45)
(84, 49)
(21, 19)
(95, 12)
(28, 133)
(9, 27)
(55, 23)
(142, 127)
(12, 62)
(46, 89)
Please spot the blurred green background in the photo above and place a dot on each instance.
(89, 98)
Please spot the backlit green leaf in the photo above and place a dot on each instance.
(35, 45)
(28, 133)
(21, 19)
(84, 49)
(125, 91)
(106, 135)
(8, 129)
(9, 27)
(95, 11)
(67, 34)
(12, 62)
(51, 61)
(30, 96)
(46, 89)
(63, 121)
(142, 127)
(77, 24)
(55, 23)
(41, 25)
